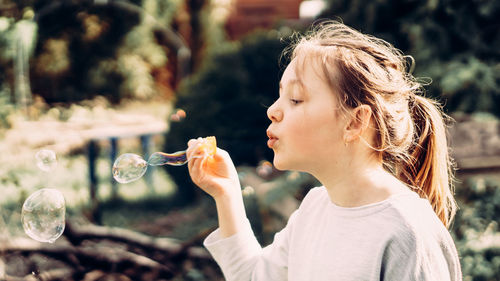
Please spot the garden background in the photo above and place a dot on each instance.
(91, 80)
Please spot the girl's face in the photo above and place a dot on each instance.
(307, 126)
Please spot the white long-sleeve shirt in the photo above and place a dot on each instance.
(399, 238)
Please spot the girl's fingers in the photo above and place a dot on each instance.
(192, 145)
(196, 158)
(192, 150)
(198, 167)
(221, 154)
(196, 171)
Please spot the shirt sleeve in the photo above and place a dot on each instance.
(420, 258)
(241, 257)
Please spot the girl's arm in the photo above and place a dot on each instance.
(234, 245)
(217, 176)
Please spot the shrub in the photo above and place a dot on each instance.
(475, 229)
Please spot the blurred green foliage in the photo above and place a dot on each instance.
(83, 50)
(162, 10)
(476, 228)
(82, 53)
(6, 109)
(7, 41)
(455, 43)
(7, 51)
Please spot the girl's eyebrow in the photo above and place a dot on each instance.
(291, 81)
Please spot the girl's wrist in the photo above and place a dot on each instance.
(231, 213)
(227, 195)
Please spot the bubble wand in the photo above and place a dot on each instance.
(130, 167)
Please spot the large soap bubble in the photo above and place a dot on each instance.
(129, 167)
(43, 215)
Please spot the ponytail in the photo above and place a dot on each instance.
(429, 167)
(411, 136)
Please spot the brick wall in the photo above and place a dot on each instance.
(475, 145)
(248, 15)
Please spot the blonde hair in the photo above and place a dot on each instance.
(411, 139)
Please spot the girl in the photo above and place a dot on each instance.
(349, 114)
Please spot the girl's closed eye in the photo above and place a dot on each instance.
(295, 101)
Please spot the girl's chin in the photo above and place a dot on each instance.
(281, 165)
(279, 168)
(277, 165)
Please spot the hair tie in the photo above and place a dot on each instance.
(412, 65)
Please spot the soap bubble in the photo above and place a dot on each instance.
(178, 116)
(247, 191)
(129, 167)
(265, 169)
(46, 160)
(43, 215)
(293, 176)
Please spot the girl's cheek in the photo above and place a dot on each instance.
(304, 136)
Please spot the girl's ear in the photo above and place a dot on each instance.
(358, 122)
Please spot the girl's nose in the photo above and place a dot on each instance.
(274, 113)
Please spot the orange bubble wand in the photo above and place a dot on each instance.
(208, 145)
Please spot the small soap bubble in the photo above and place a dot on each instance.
(265, 169)
(248, 191)
(43, 215)
(129, 167)
(292, 176)
(46, 160)
(181, 113)
(178, 116)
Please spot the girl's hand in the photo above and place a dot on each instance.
(215, 174)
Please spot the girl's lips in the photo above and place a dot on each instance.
(271, 142)
(272, 139)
